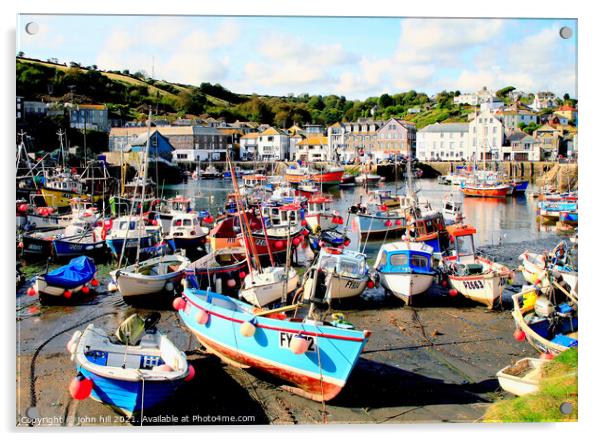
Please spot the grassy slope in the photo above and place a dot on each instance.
(558, 385)
(132, 81)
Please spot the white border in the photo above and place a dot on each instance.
(590, 102)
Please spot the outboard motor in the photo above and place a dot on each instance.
(543, 307)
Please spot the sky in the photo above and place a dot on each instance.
(354, 57)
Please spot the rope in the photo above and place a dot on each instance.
(32, 376)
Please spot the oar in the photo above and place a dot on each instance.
(276, 310)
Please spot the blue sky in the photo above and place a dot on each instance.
(355, 57)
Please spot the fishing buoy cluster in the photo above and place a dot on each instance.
(45, 211)
(80, 387)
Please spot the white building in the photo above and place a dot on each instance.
(337, 143)
(543, 100)
(474, 99)
(485, 136)
(521, 147)
(313, 148)
(248, 146)
(447, 141)
(273, 144)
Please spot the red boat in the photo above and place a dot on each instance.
(486, 191)
(331, 176)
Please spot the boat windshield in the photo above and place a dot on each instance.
(399, 260)
(464, 246)
(346, 267)
(421, 262)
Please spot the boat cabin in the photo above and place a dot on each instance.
(126, 223)
(180, 203)
(65, 183)
(185, 225)
(342, 262)
(430, 228)
(464, 249)
(405, 257)
(281, 215)
(319, 204)
(254, 180)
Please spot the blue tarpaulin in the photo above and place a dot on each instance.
(77, 272)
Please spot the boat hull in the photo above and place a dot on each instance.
(374, 225)
(318, 374)
(62, 198)
(406, 285)
(486, 192)
(346, 287)
(66, 248)
(262, 294)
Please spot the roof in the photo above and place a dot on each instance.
(92, 106)
(446, 128)
(461, 230)
(407, 246)
(227, 131)
(272, 131)
(252, 135)
(519, 136)
(164, 130)
(201, 130)
(314, 140)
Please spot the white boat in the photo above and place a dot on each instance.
(127, 231)
(368, 178)
(337, 274)
(269, 285)
(522, 377)
(186, 232)
(405, 268)
(475, 277)
(534, 268)
(320, 213)
(452, 209)
(155, 276)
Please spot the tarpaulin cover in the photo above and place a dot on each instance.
(77, 272)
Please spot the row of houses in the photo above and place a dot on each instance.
(497, 136)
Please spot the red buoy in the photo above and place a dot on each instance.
(296, 241)
(80, 387)
(370, 284)
(519, 335)
(178, 303)
(398, 222)
(305, 232)
(279, 244)
(546, 356)
(388, 223)
(191, 373)
(231, 283)
(31, 291)
(85, 289)
(67, 294)
(242, 275)
(303, 223)
(347, 242)
(444, 283)
(94, 283)
(453, 292)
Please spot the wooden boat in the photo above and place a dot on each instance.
(130, 378)
(534, 268)
(61, 284)
(312, 356)
(548, 327)
(220, 270)
(522, 377)
(405, 268)
(486, 190)
(475, 277)
(156, 277)
(339, 273)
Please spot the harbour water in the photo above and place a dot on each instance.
(434, 361)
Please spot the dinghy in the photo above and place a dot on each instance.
(522, 377)
(535, 266)
(475, 277)
(155, 277)
(61, 284)
(405, 268)
(312, 356)
(546, 318)
(131, 375)
(220, 270)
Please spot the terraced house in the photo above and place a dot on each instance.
(313, 148)
(442, 141)
(361, 137)
(394, 138)
(273, 145)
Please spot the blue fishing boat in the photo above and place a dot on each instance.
(88, 244)
(131, 232)
(331, 238)
(62, 283)
(405, 268)
(520, 186)
(130, 376)
(569, 217)
(381, 222)
(314, 357)
(551, 209)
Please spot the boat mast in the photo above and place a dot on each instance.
(145, 175)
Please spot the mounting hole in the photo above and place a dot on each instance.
(566, 32)
(32, 28)
(566, 408)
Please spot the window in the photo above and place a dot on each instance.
(399, 260)
(419, 262)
